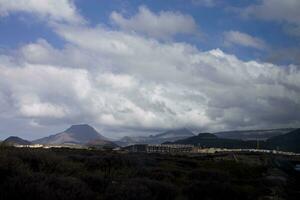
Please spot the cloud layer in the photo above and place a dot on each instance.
(121, 80)
(132, 82)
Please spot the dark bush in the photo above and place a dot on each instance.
(65, 174)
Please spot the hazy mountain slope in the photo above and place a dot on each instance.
(175, 133)
(170, 136)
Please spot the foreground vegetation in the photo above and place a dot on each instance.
(85, 174)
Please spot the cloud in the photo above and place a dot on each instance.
(286, 12)
(55, 11)
(162, 25)
(243, 39)
(123, 81)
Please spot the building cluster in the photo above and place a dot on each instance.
(182, 148)
(49, 146)
(160, 148)
(165, 148)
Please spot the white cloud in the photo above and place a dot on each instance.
(53, 10)
(42, 110)
(161, 25)
(243, 39)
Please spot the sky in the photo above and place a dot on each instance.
(143, 67)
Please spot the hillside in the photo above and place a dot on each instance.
(286, 142)
(101, 144)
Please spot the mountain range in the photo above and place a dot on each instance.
(174, 135)
(171, 135)
(85, 135)
(285, 142)
(253, 134)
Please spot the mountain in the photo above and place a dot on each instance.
(170, 136)
(13, 140)
(286, 142)
(77, 134)
(211, 140)
(253, 134)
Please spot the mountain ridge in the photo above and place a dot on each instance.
(171, 135)
(259, 134)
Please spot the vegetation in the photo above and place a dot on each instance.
(91, 174)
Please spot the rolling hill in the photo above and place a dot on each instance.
(13, 140)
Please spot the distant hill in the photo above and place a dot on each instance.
(77, 134)
(211, 140)
(171, 136)
(13, 140)
(286, 142)
(253, 134)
